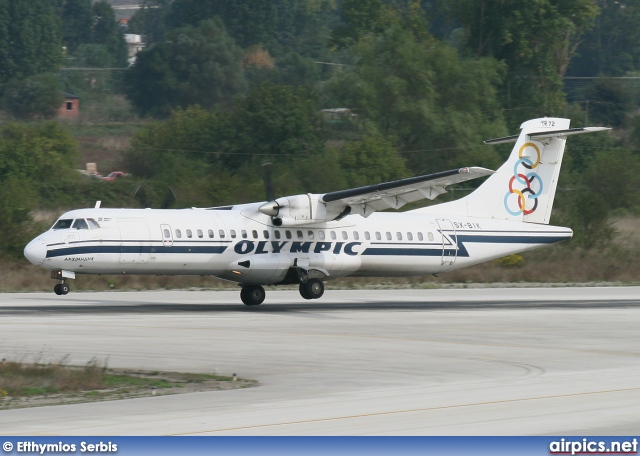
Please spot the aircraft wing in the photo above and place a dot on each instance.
(395, 194)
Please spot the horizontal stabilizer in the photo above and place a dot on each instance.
(547, 134)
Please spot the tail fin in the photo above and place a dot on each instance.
(524, 187)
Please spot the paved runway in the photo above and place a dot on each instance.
(517, 361)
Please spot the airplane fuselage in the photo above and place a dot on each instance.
(242, 245)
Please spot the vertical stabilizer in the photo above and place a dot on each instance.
(524, 187)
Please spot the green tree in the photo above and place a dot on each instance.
(249, 22)
(17, 202)
(614, 174)
(277, 122)
(370, 161)
(199, 65)
(77, 19)
(361, 18)
(30, 38)
(612, 47)
(32, 98)
(105, 31)
(536, 40)
(611, 102)
(150, 20)
(423, 95)
(192, 135)
(42, 156)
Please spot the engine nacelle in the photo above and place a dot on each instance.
(298, 210)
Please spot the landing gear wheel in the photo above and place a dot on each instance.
(313, 289)
(303, 291)
(61, 289)
(252, 295)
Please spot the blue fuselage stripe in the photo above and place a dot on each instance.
(88, 250)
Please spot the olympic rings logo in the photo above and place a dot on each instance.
(525, 183)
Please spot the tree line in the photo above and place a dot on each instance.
(226, 86)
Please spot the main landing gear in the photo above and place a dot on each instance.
(253, 295)
(311, 289)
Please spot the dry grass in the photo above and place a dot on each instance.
(35, 384)
(28, 379)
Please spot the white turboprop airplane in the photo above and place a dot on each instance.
(306, 239)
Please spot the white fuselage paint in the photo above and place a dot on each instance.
(253, 250)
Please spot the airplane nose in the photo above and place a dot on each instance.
(36, 251)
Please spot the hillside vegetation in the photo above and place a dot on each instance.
(223, 87)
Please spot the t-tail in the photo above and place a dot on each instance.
(524, 187)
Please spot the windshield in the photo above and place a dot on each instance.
(80, 224)
(93, 224)
(62, 224)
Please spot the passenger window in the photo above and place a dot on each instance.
(244, 234)
(63, 224)
(189, 234)
(378, 236)
(93, 224)
(399, 236)
(233, 234)
(367, 235)
(80, 224)
(210, 232)
(430, 234)
(178, 234)
(266, 234)
(254, 233)
(321, 235)
(333, 236)
(356, 235)
(299, 233)
(420, 237)
(410, 236)
(389, 237)
(221, 233)
(345, 235)
(167, 233)
(200, 235)
(288, 234)
(310, 233)
(277, 234)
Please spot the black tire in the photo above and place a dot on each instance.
(314, 288)
(303, 291)
(56, 289)
(252, 295)
(64, 288)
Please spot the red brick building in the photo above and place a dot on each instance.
(71, 107)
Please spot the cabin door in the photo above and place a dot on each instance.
(135, 245)
(449, 242)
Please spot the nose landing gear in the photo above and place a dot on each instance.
(61, 289)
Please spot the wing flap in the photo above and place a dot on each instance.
(395, 194)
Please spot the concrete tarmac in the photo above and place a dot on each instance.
(514, 361)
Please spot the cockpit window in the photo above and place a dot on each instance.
(93, 224)
(62, 224)
(80, 224)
